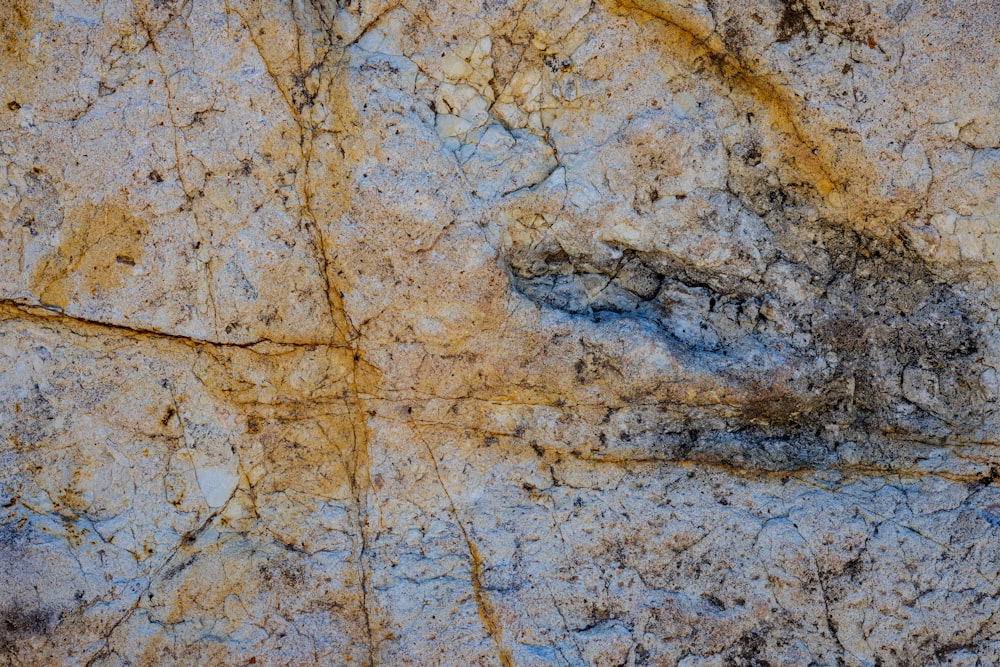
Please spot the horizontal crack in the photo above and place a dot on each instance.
(15, 308)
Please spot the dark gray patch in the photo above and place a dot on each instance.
(19, 621)
(906, 347)
(793, 21)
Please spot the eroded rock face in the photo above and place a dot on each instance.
(576, 333)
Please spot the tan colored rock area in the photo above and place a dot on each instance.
(652, 332)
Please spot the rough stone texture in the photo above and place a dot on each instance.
(652, 332)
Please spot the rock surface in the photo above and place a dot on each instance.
(639, 332)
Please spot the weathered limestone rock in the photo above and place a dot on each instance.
(638, 332)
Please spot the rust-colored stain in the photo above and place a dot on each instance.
(16, 18)
(98, 248)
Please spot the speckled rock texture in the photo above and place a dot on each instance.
(441, 332)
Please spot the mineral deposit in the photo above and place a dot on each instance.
(512, 332)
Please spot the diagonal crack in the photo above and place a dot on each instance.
(487, 613)
(307, 131)
(187, 539)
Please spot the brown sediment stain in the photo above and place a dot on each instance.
(327, 150)
(327, 154)
(810, 153)
(310, 427)
(16, 19)
(99, 245)
(310, 446)
(697, 47)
